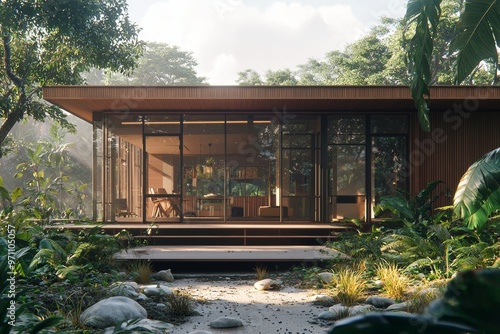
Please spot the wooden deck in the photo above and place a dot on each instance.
(223, 234)
(229, 253)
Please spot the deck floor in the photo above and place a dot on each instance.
(228, 253)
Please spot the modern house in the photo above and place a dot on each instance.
(273, 155)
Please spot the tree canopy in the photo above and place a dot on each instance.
(378, 58)
(53, 42)
(160, 64)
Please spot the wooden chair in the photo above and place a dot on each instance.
(163, 206)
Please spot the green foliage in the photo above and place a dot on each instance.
(471, 298)
(414, 210)
(160, 64)
(49, 191)
(422, 16)
(360, 245)
(478, 192)
(477, 36)
(53, 42)
(474, 41)
(14, 314)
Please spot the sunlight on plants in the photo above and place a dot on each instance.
(395, 283)
(349, 284)
(141, 271)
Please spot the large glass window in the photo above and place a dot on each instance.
(251, 151)
(347, 161)
(123, 168)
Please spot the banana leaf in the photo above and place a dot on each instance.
(477, 36)
(478, 192)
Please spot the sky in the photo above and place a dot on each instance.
(229, 36)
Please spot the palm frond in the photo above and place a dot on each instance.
(478, 192)
(477, 37)
(423, 16)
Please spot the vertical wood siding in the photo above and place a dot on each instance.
(455, 142)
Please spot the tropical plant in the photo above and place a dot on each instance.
(478, 192)
(414, 211)
(476, 40)
(14, 315)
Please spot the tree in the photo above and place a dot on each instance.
(283, 77)
(52, 42)
(474, 41)
(160, 64)
(249, 77)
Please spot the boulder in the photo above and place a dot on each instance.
(323, 299)
(226, 322)
(112, 311)
(142, 326)
(379, 302)
(156, 290)
(361, 309)
(124, 290)
(165, 275)
(326, 277)
(398, 307)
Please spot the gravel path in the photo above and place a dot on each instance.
(288, 310)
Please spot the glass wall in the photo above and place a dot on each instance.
(228, 167)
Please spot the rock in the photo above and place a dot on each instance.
(123, 290)
(361, 309)
(142, 296)
(398, 307)
(323, 299)
(200, 332)
(327, 315)
(226, 322)
(421, 276)
(156, 290)
(112, 311)
(161, 305)
(379, 302)
(265, 284)
(378, 283)
(143, 325)
(335, 312)
(326, 277)
(165, 275)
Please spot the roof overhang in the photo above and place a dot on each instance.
(83, 101)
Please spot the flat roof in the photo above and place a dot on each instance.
(83, 101)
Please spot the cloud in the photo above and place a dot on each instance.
(227, 36)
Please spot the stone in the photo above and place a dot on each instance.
(398, 307)
(226, 322)
(335, 312)
(323, 299)
(156, 290)
(123, 290)
(112, 311)
(379, 302)
(327, 315)
(200, 332)
(142, 326)
(361, 309)
(265, 284)
(326, 277)
(165, 275)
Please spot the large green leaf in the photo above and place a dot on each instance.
(478, 192)
(421, 18)
(477, 36)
